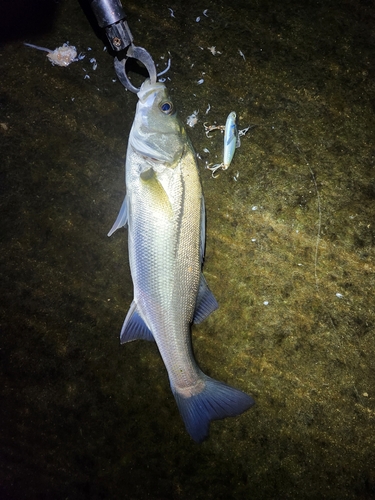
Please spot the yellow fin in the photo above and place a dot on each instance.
(156, 194)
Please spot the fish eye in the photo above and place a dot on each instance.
(166, 107)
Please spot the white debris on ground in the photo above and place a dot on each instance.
(94, 63)
(213, 50)
(61, 56)
(192, 120)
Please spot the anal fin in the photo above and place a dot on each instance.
(206, 302)
(134, 328)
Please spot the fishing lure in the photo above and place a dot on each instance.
(231, 142)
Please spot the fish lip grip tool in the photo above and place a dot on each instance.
(111, 16)
(140, 54)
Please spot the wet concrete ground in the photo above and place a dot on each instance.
(290, 258)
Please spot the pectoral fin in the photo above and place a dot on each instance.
(155, 192)
(122, 217)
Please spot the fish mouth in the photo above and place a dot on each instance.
(149, 88)
(156, 133)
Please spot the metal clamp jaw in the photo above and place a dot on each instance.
(111, 16)
(141, 55)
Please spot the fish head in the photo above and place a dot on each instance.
(157, 134)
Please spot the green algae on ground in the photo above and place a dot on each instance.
(290, 258)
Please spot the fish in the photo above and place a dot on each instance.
(165, 215)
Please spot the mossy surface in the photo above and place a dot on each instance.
(289, 257)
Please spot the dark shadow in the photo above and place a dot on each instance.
(99, 32)
(24, 18)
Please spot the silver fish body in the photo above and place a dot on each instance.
(164, 210)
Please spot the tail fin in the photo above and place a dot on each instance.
(216, 401)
